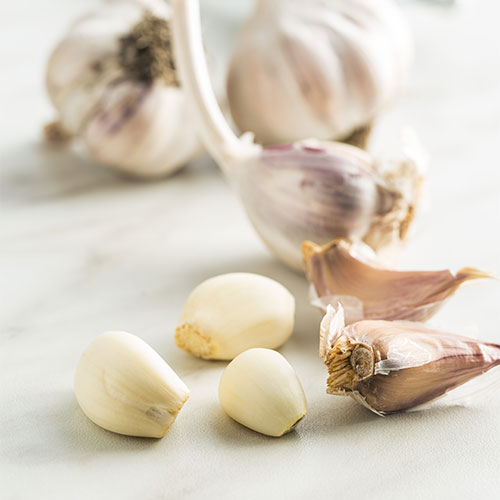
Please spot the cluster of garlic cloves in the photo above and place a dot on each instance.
(113, 82)
(319, 68)
(347, 272)
(310, 189)
(394, 366)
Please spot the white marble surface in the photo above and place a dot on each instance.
(83, 251)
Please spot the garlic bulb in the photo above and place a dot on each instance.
(260, 390)
(124, 386)
(317, 68)
(393, 366)
(307, 190)
(346, 272)
(113, 82)
(228, 314)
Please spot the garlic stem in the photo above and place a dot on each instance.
(219, 139)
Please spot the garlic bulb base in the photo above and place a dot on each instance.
(146, 53)
(54, 133)
(359, 137)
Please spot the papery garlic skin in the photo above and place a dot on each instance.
(124, 386)
(260, 390)
(325, 189)
(316, 68)
(142, 125)
(230, 313)
(394, 366)
(346, 272)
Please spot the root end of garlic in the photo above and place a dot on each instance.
(190, 339)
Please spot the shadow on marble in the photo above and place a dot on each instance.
(60, 432)
(36, 171)
(344, 416)
(234, 435)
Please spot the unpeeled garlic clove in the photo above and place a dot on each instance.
(393, 366)
(346, 272)
(260, 390)
(230, 313)
(124, 386)
(307, 190)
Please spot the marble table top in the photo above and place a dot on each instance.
(83, 250)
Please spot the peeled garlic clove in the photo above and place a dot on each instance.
(340, 272)
(392, 366)
(113, 82)
(124, 386)
(260, 390)
(231, 313)
(306, 190)
(317, 68)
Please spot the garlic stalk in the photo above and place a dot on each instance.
(124, 386)
(393, 366)
(317, 68)
(113, 82)
(305, 190)
(347, 272)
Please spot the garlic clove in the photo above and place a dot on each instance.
(305, 190)
(124, 386)
(317, 68)
(230, 313)
(340, 272)
(260, 390)
(393, 366)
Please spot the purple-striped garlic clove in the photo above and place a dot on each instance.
(346, 272)
(394, 366)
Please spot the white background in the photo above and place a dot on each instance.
(84, 250)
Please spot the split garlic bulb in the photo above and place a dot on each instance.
(260, 390)
(230, 313)
(307, 190)
(316, 68)
(124, 386)
(113, 82)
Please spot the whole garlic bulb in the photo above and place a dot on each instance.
(306, 190)
(316, 68)
(113, 82)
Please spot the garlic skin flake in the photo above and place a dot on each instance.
(394, 366)
(230, 313)
(124, 386)
(309, 190)
(260, 390)
(346, 272)
(317, 68)
(113, 82)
